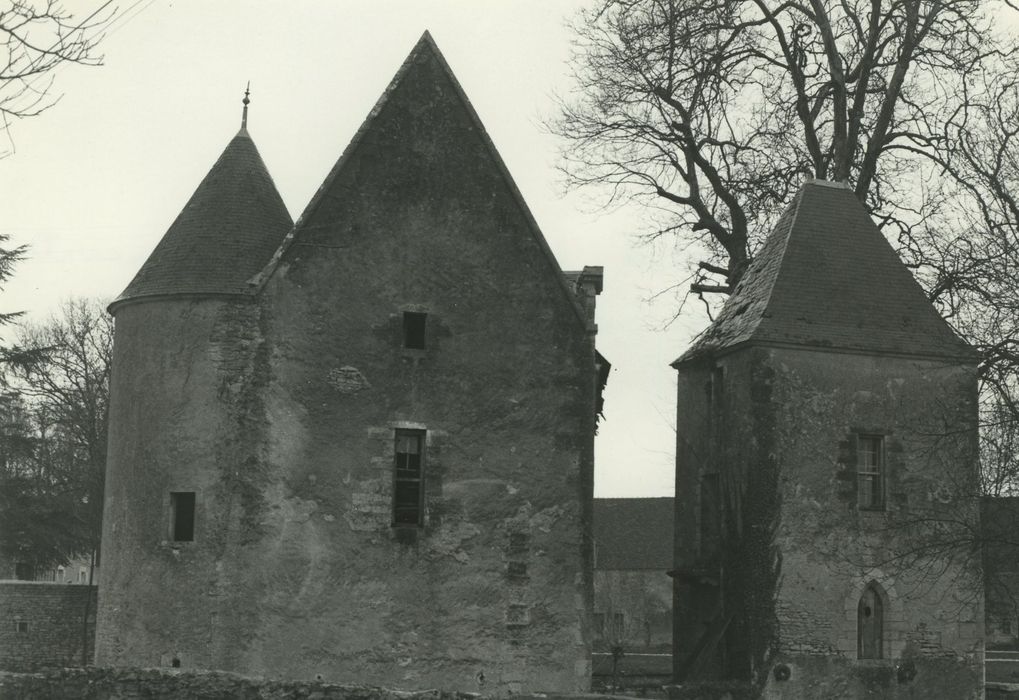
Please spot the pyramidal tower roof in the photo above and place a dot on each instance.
(826, 278)
(226, 233)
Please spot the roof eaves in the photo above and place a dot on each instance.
(122, 301)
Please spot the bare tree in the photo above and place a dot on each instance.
(37, 37)
(713, 111)
(67, 385)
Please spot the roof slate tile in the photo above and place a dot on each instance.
(827, 278)
(225, 234)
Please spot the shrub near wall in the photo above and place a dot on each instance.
(41, 624)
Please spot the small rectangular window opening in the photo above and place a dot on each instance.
(414, 330)
(408, 479)
(870, 471)
(22, 627)
(618, 625)
(182, 516)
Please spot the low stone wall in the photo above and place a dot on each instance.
(41, 624)
(163, 684)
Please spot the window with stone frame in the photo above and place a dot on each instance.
(409, 478)
(870, 472)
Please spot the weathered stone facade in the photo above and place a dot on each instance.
(823, 484)
(414, 303)
(45, 624)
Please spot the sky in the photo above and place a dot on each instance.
(93, 183)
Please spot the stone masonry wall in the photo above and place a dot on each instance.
(41, 624)
(832, 549)
(280, 415)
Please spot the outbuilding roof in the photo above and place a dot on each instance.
(827, 278)
(225, 234)
(633, 533)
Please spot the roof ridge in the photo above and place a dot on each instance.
(795, 207)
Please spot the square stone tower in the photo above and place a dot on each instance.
(826, 475)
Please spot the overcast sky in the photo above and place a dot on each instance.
(95, 182)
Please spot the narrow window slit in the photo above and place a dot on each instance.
(414, 330)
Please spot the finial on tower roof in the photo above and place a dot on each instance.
(244, 116)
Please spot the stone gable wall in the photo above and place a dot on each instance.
(40, 624)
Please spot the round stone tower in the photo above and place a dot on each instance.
(187, 350)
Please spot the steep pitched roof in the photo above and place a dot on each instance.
(225, 234)
(424, 51)
(827, 278)
(633, 533)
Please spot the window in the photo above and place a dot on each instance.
(870, 624)
(599, 625)
(414, 330)
(618, 626)
(182, 516)
(22, 627)
(408, 478)
(711, 517)
(870, 472)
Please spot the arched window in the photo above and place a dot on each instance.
(870, 624)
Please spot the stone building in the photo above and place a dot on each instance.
(358, 447)
(826, 459)
(999, 523)
(632, 593)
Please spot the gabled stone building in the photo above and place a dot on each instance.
(359, 447)
(826, 460)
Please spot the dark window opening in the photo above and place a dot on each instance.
(516, 570)
(870, 624)
(408, 479)
(518, 542)
(711, 517)
(182, 516)
(24, 571)
(414, 330)
(22, 627)
(870, 472)
(599, 625)
(175, 662)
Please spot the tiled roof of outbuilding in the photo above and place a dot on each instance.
(227, 231)
(633, 533)
(827, 278)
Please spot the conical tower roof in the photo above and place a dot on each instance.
(225, 234)
(826, 278)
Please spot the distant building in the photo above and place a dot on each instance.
(632, 592)
(826, 422)
(75, 571)
(1000, 533)
(359, 447)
